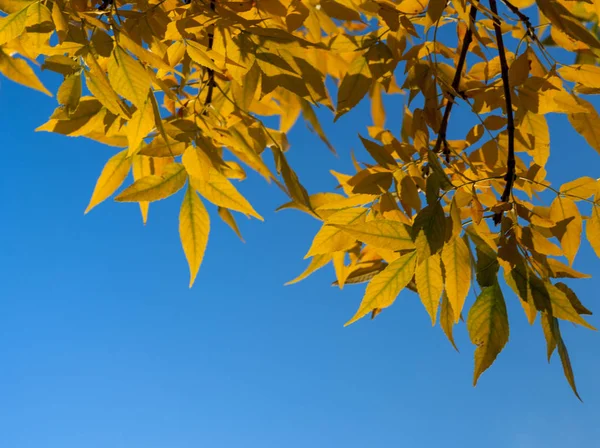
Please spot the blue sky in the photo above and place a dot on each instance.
(102, 344)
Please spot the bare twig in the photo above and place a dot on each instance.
(510, 123)
(455, 85)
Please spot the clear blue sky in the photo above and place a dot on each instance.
(102, 344)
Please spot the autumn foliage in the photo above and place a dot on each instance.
(178, 88)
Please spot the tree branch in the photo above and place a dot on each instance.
(510, 125)
(211, 72)
(523, 18)
(455, 84)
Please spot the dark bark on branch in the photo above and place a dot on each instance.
(211, 72)
(441, 140)
(523, 18)
(510, 124)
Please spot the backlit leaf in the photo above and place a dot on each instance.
(487, 324)
(113, 175)
(430, 284)
(155, 187)
(194, 226)
(385, 286)
(457, 268)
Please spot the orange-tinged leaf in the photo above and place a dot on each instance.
(156, 187)
(385, 286)
(487, 324)
(587, 124)
(457, 267)
(381, 233)
(194, 227)
(430, 284)
(113, 175)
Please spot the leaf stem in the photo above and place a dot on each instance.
(510, 123)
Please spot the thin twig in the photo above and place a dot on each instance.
(455, 85)
(523, 18)
(510, 123)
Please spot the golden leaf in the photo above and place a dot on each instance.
(128, 77)
(385, 286)
(113, 175)
(457, 267)
(381, 233)
(194, 227)
(565, 213)
(430, 284)
(156, 187)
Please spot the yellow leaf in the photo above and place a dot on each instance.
(316, 263)
(220, 191)
(228, 219)
(582, 188)
(435, 10)
(13, 25)
(457, 266)
(98, 85)
(194, 226)
(20, 72)
(141, 169)
(585, 74)
(430, 284)
(587, 124)
(487, 324)
(381, 233)
(333, 239)
(140, 125)
(592, 230)
(113, 175)
(385, 286)
(565, 213)
(562, 308)
(447, 319)
(128, 77)
(155, 187)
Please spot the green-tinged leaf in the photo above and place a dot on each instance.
(13, 25)
(381, 233)
(447, 319)
(355, 85)
(316, 263)
(194, 227)
(430, 284)
(156, 187)
(113, 175)
(564, 358)
(457, 268)
(385, 286)
(487, 324)
(429, 230)
(573, 298)
(69, 93)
